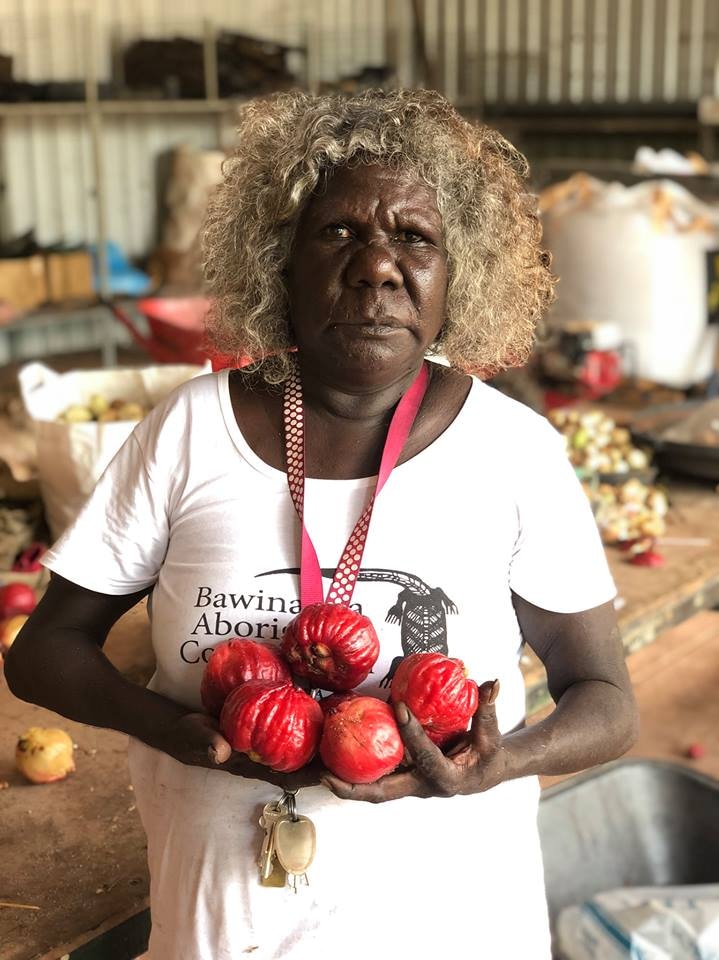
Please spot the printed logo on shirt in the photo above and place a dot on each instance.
(249, 616)
(420, 610)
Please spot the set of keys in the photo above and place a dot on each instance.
(289, 844)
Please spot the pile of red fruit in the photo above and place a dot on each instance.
(17, 601)
(250, 686)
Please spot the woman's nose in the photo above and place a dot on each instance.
(373, 265)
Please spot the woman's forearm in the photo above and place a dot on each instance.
(71, 675)
(594, 721)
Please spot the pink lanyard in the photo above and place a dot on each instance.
(348, 568)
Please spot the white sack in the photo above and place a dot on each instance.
(651, 923)
(72, 456)
(636, 257)
(668, 163)
(195, 174)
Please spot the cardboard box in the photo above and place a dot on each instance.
(69, 276)
(22, 282)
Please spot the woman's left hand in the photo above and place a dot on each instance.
(475, 764)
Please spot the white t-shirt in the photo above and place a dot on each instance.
(492, 506)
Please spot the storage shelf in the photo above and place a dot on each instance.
(119, 107)
(53, 330)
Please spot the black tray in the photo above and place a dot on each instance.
(647, 476)
(689, 459)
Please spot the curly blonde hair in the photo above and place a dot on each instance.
(499, 278)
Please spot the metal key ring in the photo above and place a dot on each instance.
(291, 802)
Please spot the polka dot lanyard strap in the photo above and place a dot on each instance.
(348, 567)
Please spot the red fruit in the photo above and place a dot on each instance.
(272, 722)
(332, 703)
(29, 559)
(437, 691)
(234, 662)
(360, 741)
(649, 558)
(695, 751)
(331, 646)
(16, 598)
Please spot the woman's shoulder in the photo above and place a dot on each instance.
(197, 391)
(190, 403)
(504, 412)
(517, 433)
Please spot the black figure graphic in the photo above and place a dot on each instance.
(420, 611)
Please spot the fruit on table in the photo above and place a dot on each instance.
(438, 692)
(29, 560)
(273, 722)
(9, 629)
(642, 555)
(76, 414)
(44, 754)
(130, 411)
(360, 740)
(232, 663)
(330, 645)
(99, 408)
(98, 404)
(596, 444)
(16, 598)
(629, 512)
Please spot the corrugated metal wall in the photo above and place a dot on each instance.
(50, 181)
(47, 168)
(478, 51)
(569, 51)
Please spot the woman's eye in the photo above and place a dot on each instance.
(410, 236)
(339, 231)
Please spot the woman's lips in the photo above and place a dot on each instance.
(373, 321)
(371, 328)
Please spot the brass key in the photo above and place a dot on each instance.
(272, 873)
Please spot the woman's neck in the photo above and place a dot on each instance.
(346, 429)
(354, 404)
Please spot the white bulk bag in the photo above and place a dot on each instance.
(72, 456)
(636, 257)
(653, 923)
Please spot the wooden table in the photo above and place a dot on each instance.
(76, 849)
(675, 682)
(652, 599)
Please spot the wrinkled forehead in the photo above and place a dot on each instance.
(361, 185)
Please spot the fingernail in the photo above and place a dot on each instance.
(212, 754)
(402, 714)
(494, 692)
(325, 783)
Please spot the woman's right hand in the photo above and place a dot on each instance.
(196, 741)
(69, 626)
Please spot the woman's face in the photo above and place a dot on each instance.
(367, 277)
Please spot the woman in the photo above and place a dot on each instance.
(367, 233)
